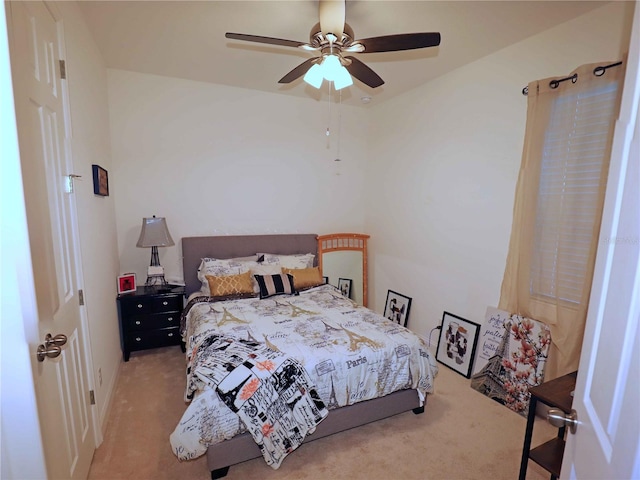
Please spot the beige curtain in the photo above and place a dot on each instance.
(534, 283)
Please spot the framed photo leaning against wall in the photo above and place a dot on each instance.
(457, 343)
(344, 285)
(397, 307)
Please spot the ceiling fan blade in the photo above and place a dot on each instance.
(332, 13)
(298, 71)
(268, 40)
(363, 73)
(402, 41)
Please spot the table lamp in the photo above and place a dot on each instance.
(155, 234)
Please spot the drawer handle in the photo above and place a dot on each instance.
(138, 339)
(165, 303)
(137, 322)
(170, 335)
(170, 319)
(139, 305)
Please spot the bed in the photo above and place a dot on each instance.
(223, 453)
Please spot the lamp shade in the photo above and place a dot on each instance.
(331, 67)
(154, 233)
(342, 79)
(314, 76)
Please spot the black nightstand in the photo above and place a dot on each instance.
(150, 318)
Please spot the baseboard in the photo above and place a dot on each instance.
(108, 400)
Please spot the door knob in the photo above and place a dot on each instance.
(559, 419)
(52, 346)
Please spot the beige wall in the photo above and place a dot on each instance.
(440, 184)
(221, 160)
(90, 143)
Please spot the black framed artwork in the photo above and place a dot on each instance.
(344, 285)
(457, 343)
(397, 307)
(100, 181)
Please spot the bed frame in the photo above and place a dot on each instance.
(242, 447)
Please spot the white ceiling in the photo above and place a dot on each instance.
(185, 39)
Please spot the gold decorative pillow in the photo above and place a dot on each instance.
(305, 277)
(230, 284)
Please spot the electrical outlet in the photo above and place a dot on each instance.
(100, 376)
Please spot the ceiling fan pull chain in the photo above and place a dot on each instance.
(339, 125)
(329, 120)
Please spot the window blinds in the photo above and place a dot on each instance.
(573, 170)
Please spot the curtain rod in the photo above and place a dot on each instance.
(598, 72)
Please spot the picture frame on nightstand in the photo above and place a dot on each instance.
(126, 283)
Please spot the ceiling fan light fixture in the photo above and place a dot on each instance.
(332, 38)
(314, 76)
(342, 79)
(331, 67)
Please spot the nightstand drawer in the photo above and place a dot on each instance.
(153, 338)
(166, 304)
(154, 322)
(136, 305)
(142, 305)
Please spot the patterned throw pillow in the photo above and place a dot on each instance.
(302, 260)
(305, 277)
(271, 285)
(230, 284)
(260, 269)
(222, 267)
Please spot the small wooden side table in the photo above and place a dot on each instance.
(557, 393)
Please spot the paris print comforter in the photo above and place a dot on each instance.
(350, 353)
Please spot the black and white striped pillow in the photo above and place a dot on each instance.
(270, 285)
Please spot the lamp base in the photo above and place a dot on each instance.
(156, 281)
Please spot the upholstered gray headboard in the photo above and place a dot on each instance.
(194, 249)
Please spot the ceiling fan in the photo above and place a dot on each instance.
(332, 38)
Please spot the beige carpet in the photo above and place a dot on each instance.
(461, 435)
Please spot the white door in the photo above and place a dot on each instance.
(606, 444)
(61, 385)
(20, 446)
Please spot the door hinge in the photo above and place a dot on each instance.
(92, 397)
(81, 297)
(63, 70)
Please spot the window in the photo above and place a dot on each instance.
(558, 204)
(573, 175)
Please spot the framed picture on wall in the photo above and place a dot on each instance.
(397, 307)
(126, 283)
(344, 285)
(457, 343)
(100, 181)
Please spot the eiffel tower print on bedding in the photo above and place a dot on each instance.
(349, 353)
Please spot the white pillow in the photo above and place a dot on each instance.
(302, 260)
(261, 269)
(223, 267)
(269, 269)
